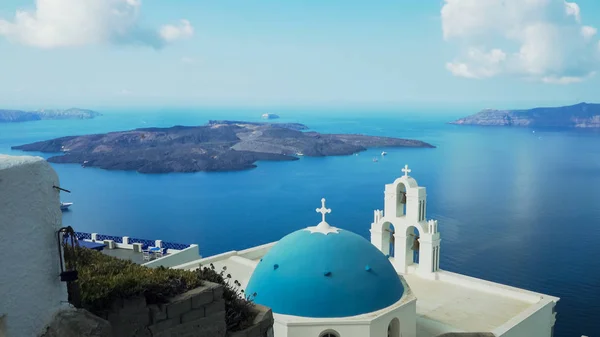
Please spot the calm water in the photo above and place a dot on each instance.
(515, 207)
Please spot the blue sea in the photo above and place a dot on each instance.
(515, 205)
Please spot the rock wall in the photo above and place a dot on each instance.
(78, 323)
(197, 313)
(261, 327)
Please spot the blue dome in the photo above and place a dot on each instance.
(311, 274)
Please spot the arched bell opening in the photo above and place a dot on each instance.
(400, 200)
(412, 245)
(388, 240)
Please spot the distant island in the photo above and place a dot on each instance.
(15, 116)
(216, 146)
(582, 115)
(269, 116)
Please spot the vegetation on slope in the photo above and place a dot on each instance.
(103, 279)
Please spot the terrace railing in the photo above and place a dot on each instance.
(127, 242)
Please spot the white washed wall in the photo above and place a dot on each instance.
(30, 287)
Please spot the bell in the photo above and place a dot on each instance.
(403, 200)
(415, 246)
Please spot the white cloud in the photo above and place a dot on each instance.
(125, 92)
(480, 64)
(176, 32)
(562, 80)
(572, 9)
(588, 32)
(461, 70)
(567, 79)
(543, 40)
(65, 23)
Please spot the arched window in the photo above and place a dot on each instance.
(329, 333)
(394, 328)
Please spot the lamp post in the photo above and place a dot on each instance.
(67, 242)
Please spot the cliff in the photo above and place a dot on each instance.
(582, 115)
(217, 146)
(13, 116)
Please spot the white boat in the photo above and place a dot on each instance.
(269, 116)
(383, 153)
(65, 205)
(375, 160)
(300, 154)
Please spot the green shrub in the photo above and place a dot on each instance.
(104, 279)
(238, 306)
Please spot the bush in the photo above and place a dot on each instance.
(104, 279)
(238, 306)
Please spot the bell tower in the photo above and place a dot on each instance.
(403, 223)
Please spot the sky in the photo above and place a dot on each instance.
(191, 53)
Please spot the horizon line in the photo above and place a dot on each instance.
(399, 106)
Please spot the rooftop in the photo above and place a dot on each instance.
(459, 306)
(450, 303)
(123, 247)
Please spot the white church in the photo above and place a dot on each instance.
(319, 281)
(324, 281)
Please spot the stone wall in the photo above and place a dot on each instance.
(261, 327)
(197, 313)
(78, 323)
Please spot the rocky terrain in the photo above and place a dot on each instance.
(582, 115)
(13, 116)
(217, 146)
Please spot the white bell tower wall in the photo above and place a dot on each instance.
(403, 223)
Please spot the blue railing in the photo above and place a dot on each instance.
(119, 239)
(172, 245)
(102, 237)
(83, 236)
(142, 241)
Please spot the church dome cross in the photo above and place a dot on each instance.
(323, 227)
(406, 170)
(323, 210)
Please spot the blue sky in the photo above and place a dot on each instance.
(297, 53)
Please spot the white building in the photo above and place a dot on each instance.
(324, 281)
(31, 292)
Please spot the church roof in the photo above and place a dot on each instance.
(323, 271)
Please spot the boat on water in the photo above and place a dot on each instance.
(65, 205)
(269, 116)
(300, 154)
(383, 153)
(375, 160)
